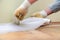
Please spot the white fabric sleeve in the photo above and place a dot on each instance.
(25, 4)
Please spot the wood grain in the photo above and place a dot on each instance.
(47, 32)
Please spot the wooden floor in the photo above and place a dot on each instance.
(53, 30)
(47, 32)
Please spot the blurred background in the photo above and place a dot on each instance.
(7, 8)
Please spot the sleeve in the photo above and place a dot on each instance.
(57, 0)
(55, 6)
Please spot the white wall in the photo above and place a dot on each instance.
(7, 8)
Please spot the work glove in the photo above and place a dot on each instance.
(23, 9)
(41, 14)
(37, 14)
(20, 13)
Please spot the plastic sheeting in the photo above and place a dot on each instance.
(26, 24)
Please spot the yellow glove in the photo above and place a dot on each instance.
(20, 13)
(41, 14)
(22, 10)
(37, 14)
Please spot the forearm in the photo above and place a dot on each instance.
(27, 3)
(21, 11)
(51, 9)
(55, 7)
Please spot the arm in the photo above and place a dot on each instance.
(55, 7)
(22, 9)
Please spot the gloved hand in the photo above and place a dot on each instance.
(37, 14)
(20, 13)
(23, 9)
(41, 14)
